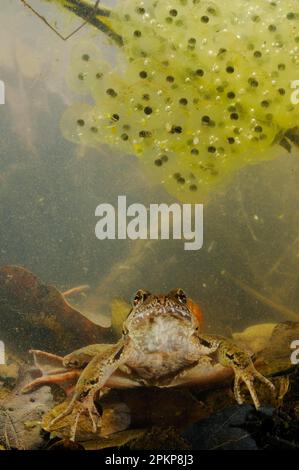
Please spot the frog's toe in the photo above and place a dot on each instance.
(248, 376)
(62, 415)
(93, 413)
(237, 389)
(87, 407)
(248, 380)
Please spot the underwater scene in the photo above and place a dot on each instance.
(149, 242)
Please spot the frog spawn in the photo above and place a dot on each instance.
(199, 90)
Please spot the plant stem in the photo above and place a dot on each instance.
(90, 13)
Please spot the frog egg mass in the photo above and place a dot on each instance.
(198, 90)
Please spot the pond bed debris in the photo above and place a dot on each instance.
(21, 415)
(41, 316)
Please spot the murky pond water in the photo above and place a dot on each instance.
(246, 273)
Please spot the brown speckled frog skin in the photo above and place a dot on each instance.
(162, 346)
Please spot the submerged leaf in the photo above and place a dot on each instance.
(44, 319)
(116, 440)
(255, 337)
(275, 358)
(119, 312)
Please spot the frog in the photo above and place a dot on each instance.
(162, 345)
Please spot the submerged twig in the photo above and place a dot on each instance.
(245, 216)
(76, 290)
(282, 257)
(121, 274)
(8, 422)
(288, 313)
(91, 14)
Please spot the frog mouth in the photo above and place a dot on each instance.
(162, 311)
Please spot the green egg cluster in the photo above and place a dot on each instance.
(199, 88)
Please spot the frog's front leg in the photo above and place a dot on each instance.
(230, 355)
(91, 382)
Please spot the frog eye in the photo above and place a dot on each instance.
(140, 296)
(180, 295)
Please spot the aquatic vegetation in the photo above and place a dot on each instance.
(21, 415)
(285, 311)
(92, 13)
(199, 89)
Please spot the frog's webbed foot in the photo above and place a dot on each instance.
(248, 375)
(230, 355)
(92, 385)
(44, 355)
(86, 407)
(75, 409)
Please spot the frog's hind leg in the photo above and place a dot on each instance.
(65, 379)
(52, 371)
(49, 358)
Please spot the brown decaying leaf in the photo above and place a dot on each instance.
(138, 409)
(41, 316)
